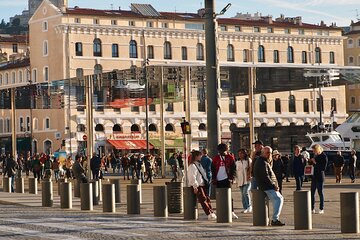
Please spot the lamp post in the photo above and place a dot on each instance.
(212, 76)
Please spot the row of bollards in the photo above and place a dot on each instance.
(175, 198)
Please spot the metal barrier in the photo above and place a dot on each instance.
(349, 211)
(65, 192)
(33, 186)
(223, 205)
(77, 185)
(99, 189)
(6, 184)
(116, 182)
(190, 204)
(160, 201)
(175, 197)
(108, 198)
(95, 192)
(133, 199)
(47, 193)
(20, 188)
(86, 196)
(138, 182)
(302, 210)
(61, 180)
(260, 208)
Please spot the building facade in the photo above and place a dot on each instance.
(75, 42)
(13, 47)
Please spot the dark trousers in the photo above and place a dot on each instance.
(96, 173)
(299, 182)
(204, 200)
(149, 175)
(319, 185)
(174, 171)
(280, 182)
(352, 172)
(225, 184)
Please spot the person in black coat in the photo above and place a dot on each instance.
(338, 166)
(278, 168)
(319, 161)
(299, 163)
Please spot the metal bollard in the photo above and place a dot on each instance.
(133, 199)
(6, 184)
(100, 189)
(349, 211)
(61, 180)
(175, 199)
(260, 208)
(138, 182)
(213, 192)
(302, 210)
(47, 193)
(95, 192)
(33, 186)
(65, 195)
(223, 205)
(19, 185)
(190, 204)
(77, 184)
(116, 182)
(109, 198)
(86, 196)
(160, 201)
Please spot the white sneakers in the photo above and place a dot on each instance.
(212, 216)
(234, 216)
(321, 211)
(248, 210)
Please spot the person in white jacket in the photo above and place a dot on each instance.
(197, 179)
(243, 179)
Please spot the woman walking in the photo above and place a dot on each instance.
(243, 179)
(319, 162)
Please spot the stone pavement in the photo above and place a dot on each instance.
(22, 217)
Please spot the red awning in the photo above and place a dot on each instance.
(130, 144)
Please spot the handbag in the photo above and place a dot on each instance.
(309, 170)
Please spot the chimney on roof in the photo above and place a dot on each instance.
(201, 12)
(299, 20)
(322, 24)
(119, 8)
(268, 19)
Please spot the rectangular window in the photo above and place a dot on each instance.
(150, 52)
(34, 75)
(237, 29)
(332, 57)
(15, 48)
(78, 49)
(184, 53)
(353, 100)
(132, 23)
(152, 108)
(47, 123)
(113, 22)
(28, 124)
(164, 25)
(270, 30)
(135, 109)
(115, 50)
(195, 26)
(223, 28)
(287, 31)
(45, 26)
(77, 20)
(257, 29)
(21, 124)
(232, 105)
(276, 56)
(301, 32)
(149, 24)
(170, 107)
(246, 105)
(201, 99)
(46, 74)
(96, 21)
(304, 57)
(319, 33)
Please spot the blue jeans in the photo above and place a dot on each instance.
(12, 183)
(277, 201)
(299, 182)
(319, 185)
(254, 184)
(245, 196)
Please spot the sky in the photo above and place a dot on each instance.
(312, 11)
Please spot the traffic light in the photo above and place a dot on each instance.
(185, 127)
(63, 142)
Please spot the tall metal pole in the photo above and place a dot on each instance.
(212, 79)
(162, 132)
(69, 116)
(188, 118)
(321, 106)
(251, 73)
(89, 87)
(146, 92)
(13, 124)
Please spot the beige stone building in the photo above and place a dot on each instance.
(13, 47)
(74, 42)
(352, 58)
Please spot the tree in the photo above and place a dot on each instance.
(16, 22)
(2, 24)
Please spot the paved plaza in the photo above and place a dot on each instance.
(22, 217)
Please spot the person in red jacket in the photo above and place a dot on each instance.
(223, 169)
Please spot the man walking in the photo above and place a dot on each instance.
(11, 166)
(267, 182)
(205, 162)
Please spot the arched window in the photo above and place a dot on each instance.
(167, 50)
(199, 51)
(350, 42)
(47, 123)
(292, 103)
(351, 61)
(35, 124)
(333, 105)
(80, 128)
(261, 54)
(317, 55)
(79, 73)
(277, 105)
(230, 53)
(290, 55)
(245, 55)
(99, 128)
(262, 103)
(306, 105)
(169, 127)
(332, 58)
(47, 147)
(135, 128)
(152, 128)
(117, 128)
(97, 47)
(133, 49)
(202, 127)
